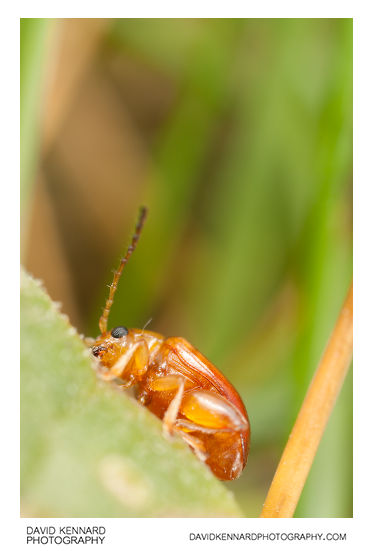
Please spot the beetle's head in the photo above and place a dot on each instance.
(111, 345)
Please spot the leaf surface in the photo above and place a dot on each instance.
(89, 450)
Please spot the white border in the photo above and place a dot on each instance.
(127, 533)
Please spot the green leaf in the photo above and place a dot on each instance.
(89, 450)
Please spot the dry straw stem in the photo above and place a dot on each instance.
(304, 439)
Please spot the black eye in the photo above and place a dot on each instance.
(119, 332)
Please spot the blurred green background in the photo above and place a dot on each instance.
(237, 134)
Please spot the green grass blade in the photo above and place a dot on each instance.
(34, 33)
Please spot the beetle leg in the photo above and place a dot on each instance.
(211, 412)
(121, 364)
(220, 426)
(195, 443)
(129, 368)
(169, 419)
(188, 426)
(105, 375)
(114, 373)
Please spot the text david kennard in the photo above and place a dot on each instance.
(65, 534)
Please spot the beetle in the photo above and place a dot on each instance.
(176, 383)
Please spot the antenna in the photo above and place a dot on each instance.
(113, 287)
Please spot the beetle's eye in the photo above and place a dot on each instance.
(119, 332)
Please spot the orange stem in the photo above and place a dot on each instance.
(300, 450)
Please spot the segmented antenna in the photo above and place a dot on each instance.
(113, 287)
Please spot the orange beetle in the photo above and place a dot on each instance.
(178, 384)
